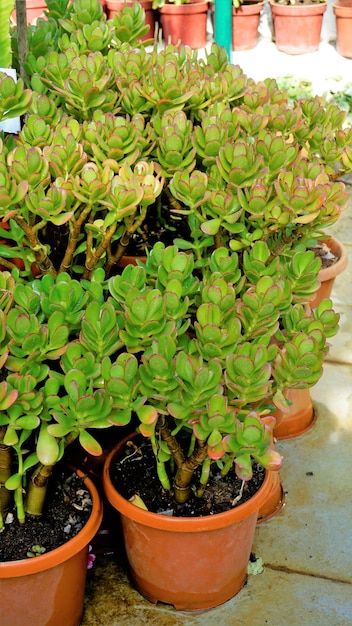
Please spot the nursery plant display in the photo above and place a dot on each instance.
(124, 147)
(36, 327)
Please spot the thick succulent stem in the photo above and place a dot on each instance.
(185, 466)
(73, 240)
(171, 441)
(93, 258)
(184, 474)
(39, 251)
(124, 241)
(7, 264)
(37, 489)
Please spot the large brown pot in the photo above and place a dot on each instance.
(327, 275)
(245, 23)
(185, 23)
(48, 590)
(343, 13)
(115, 6)
(192, 563)
(297, 28)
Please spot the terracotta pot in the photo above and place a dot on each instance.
(192, 563)
(245, 23)
(129, 259)
(114, 6)
(49, 589)
(185, 23)
(34, 9)
(343, 12)
(299, 418)
(297, 28)
(327, 275)
(275, 500)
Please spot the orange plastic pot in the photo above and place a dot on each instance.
(34, 9)
(48, 590)
(343, 14)
(275, 499)
(245, 23)
(192, 563)
(128, 259)
(327, 275)
(299, 418)
(185, 23)
(297, 28)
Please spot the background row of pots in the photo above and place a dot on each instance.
(297, 29)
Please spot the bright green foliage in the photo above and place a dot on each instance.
(174, 147)
(198, 344)
(14, 98)
(203, 356)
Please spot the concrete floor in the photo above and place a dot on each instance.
(307, 548)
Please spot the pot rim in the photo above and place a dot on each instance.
(195, 6)
(180, 524)
(338, 248)
(23, 567)
(342, 4)
(298, 9)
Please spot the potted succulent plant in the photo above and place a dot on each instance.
(46, 404)
(210, 350)
(297, 24)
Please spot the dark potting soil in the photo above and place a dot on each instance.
(135, 474)
(297, 2)
(68, 509)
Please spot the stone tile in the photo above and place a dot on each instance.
(342, 289)
(340, 350)
(342, 229)
(280, 598)
(274, 597)
(313, 532)
(301, 600)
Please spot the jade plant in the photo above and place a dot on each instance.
(212, 353)
(48, 398)
(183, 354)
